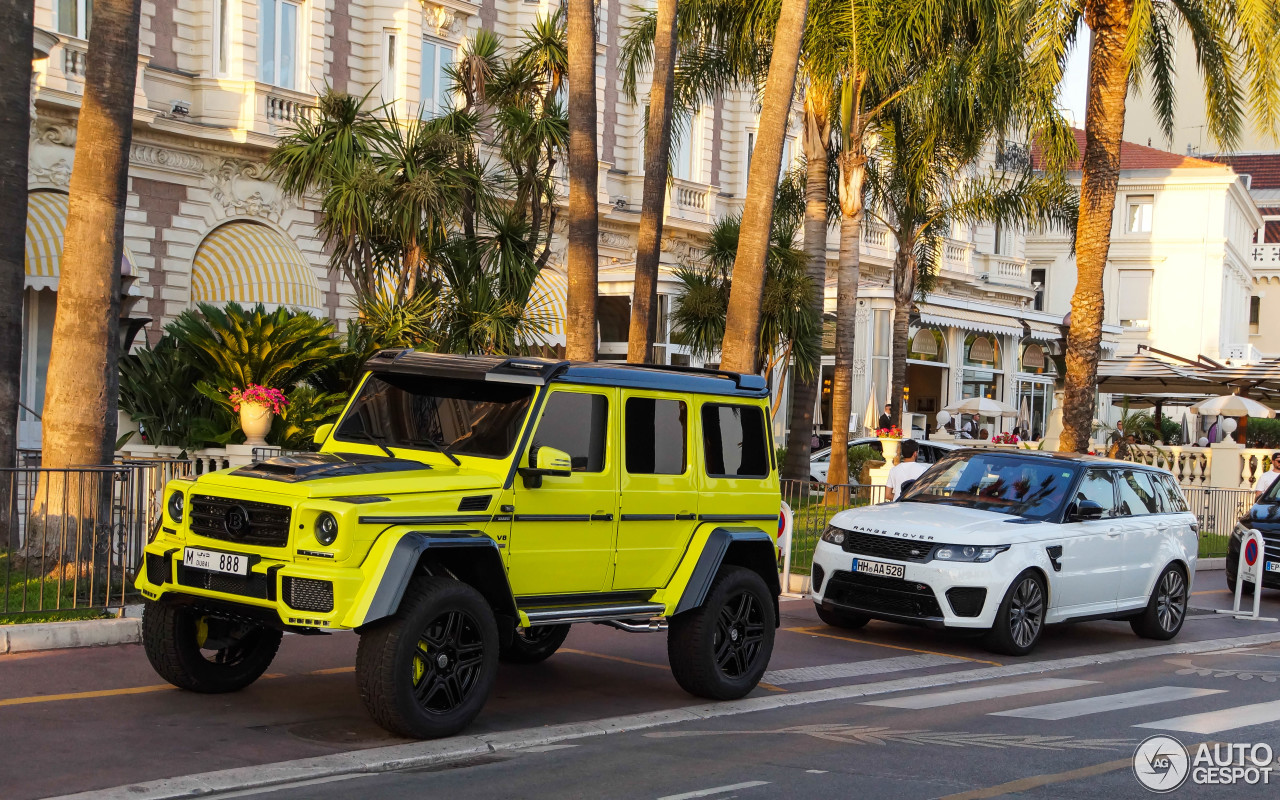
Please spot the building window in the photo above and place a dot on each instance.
(74, 17)
(686, 154)
(436, 88)
(390, 85)
(1255, 312)
(751, 150)
(927, 344)
(614, 314)
(221, 37)
(278, 37)
(1135, 298)
(1037, 285)
(1000, 245)
(1138, 213)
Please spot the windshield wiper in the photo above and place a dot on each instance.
(439, 448)
(379, 441)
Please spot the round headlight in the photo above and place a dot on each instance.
(945, 554)
(970, 552)
(177, 503)
(326, 528)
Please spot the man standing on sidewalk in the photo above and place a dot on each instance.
(1269, 477)
(908, 469)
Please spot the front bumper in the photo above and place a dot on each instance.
(934, 594)
(284, 594)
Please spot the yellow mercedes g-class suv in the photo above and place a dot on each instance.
(467, 510)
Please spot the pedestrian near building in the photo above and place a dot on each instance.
(885, 420)
(1269, 477)
(908, 469)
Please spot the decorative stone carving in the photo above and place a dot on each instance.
(56, 174)
(614, 239)
(241, 188)
(442, 20)
(679, 248)
(150, 155)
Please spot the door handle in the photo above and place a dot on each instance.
(684, 516)
(601, 516)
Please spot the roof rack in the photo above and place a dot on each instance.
(743, 380)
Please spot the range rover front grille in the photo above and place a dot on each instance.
(868, 544)
(874, 593)
(240, 521)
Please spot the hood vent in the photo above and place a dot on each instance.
(476, 502)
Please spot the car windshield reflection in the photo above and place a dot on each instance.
(1005, 483)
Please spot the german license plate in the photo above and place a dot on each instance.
(1273, 566)
(214, 561)
(879, 568)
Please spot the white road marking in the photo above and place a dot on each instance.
(1217, 721)
(816, 771)
(294, 785)
(989, 692)
(878, 666)
(1107, 702)
(716, 790)
(547, 748)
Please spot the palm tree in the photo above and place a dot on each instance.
(583, 258)
(82, 381)
(657, 146)
(1237, 53)
(741, 336)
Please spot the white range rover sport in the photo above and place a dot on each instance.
(1008, 542)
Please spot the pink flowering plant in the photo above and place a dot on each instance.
(892, 432)
(253, 394)
(1005, 438)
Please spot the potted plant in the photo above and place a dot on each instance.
(1005, 438)
(256, 406)
(890, 438)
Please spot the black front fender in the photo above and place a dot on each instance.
(741, 546)
(470, 557)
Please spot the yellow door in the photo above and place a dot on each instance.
(562, 534)
(659, 498)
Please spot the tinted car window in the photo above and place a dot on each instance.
(733, 440)
(1098, 485)
(578, 424)
(1137, 496)
(1007, 484)
(656, 435)
(1172, 493)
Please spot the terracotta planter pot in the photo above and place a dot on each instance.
(255, 421)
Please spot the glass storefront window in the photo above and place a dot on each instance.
(981, 350)
(927, 344)
(1034, 402)
(1035, 360)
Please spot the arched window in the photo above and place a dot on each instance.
(982, 350)
(1035, 360)
(927, 344)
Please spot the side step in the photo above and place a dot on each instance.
(559, 615)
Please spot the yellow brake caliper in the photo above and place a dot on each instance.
(202, 632)
(419, 663)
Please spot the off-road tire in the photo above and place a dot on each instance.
(1166, 608)
(1019, 603)
(695, 637)
(389, 661)
(533, 645)
(171, 638)
(841, 619)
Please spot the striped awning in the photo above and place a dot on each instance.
(548, 304)
(246, 262)
(1045, 331)
(46, 221)
(969, 320)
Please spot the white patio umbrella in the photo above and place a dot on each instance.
(982, 407)
(871, 418)
(1024, 414)
(1232, 405)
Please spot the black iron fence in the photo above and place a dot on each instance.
(72, 538)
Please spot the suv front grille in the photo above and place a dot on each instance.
(254, 585)
(240, 521)
(867, 544)
(308, 594)
(874, 593)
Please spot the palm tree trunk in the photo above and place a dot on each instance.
(1104, 126)
(15, 127)
(742, 323)
(846, 333)
(584, 261)
(904, 287)
(80, 391)
(657, 144)
(804, 389)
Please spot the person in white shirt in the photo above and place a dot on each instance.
(1265, 479)
(906, 470)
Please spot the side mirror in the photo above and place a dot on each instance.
(1084, 511)
(545, 461)
(322, 433)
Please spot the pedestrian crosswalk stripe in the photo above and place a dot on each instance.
(853, 669)
(988, 692)
(1218, 721)
(1107, 702)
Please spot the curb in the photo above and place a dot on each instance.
(79, 633)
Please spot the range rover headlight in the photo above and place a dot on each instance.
(833, 535)
(974, 554)
(326, 528)
(176, 505)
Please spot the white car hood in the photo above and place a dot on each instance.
(931, 522)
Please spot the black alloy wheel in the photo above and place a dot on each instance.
(448, 663)
(739, 634)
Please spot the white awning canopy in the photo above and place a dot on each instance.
(978, 321)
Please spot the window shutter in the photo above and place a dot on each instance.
(1134, 294)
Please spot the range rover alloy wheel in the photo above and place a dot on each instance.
(427, 671)
(203, 653)
(532, 645)
(722, 648)
(1166, 609)
(1020, 620)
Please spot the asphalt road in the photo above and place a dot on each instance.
(90, 719)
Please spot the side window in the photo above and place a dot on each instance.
(1172, 493)
(1098, 487)
(656, 436)
(733, 440)
(578, 424)
(1137, 496)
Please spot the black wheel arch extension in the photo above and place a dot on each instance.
(468, 556)
(741, 546)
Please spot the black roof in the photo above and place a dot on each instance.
(539, 371)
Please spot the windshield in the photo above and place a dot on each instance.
(470, 418)
(1005, 483)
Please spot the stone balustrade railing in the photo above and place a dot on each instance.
(1190, 465)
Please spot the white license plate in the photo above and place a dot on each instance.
(1273, 566)
(879, 568)
(214, 561)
